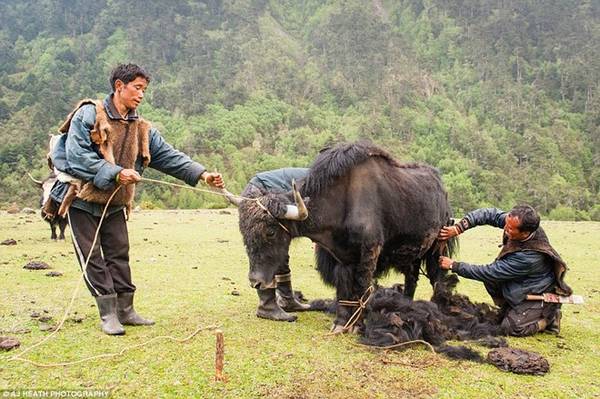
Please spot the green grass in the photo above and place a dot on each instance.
(181, 262)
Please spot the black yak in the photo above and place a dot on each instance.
(368, 214)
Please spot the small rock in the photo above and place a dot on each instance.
(28, 211)
(77, 319)
(54, 274)
(224, 212)
(34, 315)
(221, 240)
(194, 267)
(45, 319)
(47, 327)
(36, 266)
(225, 278)
(137, 208)
(9, 241)
(235, 293)
(8, 343)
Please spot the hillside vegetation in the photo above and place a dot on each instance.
(502, 96)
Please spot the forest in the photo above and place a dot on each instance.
(502, 96)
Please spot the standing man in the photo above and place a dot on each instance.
(527, 264)
(275, 303)
(106, 146)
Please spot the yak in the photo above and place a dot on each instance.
(367, 213)
(51, 217)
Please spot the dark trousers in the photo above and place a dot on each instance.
(108, 269)
(522, 320)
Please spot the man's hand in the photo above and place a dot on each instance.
(128, 176)
(445, 262)
(448, 232)
(213, 179)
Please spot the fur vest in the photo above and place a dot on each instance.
(539, 243)
(119, 142)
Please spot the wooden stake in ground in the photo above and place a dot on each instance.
(219, 356)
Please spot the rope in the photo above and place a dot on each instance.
(361, 303)
(75, 292)
(224, 193)
(122, 351)
(18, 356)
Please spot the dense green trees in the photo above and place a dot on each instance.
(502, 97)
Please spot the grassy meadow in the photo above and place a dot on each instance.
(186, 264)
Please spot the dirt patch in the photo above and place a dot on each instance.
(518, 361)
(361, 380)
(36, 266)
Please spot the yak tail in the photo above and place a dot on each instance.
(326, 265)
(439, 248)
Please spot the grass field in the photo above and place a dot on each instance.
(186, 265)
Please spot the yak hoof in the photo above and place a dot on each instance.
(339, 329)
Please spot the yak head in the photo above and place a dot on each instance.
(266, 224)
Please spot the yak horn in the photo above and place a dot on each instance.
(231, 198)
(298, 211)
(39, 183)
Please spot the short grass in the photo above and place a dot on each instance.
(186, 265)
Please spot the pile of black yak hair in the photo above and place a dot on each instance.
(391, 318)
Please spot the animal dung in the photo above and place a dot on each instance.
(518, 361)
(8, 343)
(9, 241)
(36, 266)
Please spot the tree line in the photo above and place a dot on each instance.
(502, 97)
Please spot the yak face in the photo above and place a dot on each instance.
(265, 239)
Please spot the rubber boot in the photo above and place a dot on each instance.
(126, 312)
(286, 298)
(109, 322)
(554, 326)
(268, 307)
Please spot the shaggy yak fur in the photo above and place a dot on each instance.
(367, 213)
(391, 318)
(518, 361)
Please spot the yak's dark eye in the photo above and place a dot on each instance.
(271, 232)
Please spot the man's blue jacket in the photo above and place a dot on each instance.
(518, 273)
(76, 155)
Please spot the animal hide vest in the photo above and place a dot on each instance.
(539, 243)
(119, 142)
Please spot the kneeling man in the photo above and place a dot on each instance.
(527, 264)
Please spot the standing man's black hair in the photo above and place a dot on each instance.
(127, 73)
(528, 217)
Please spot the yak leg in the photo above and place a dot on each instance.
(410, 279)
(62, 224)
(53, 230)
(352, 283)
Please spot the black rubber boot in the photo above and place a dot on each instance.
(107, 306)
(269, 309)
(554, 326)
(126, 312)
(286, 298)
